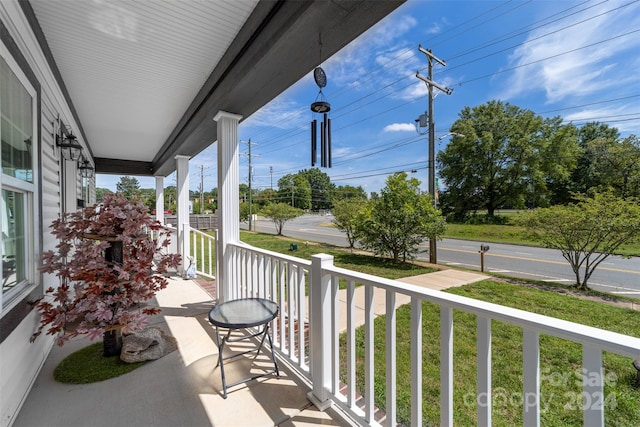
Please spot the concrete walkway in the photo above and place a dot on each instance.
(438, 280)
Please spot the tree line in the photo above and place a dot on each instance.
(503, 156)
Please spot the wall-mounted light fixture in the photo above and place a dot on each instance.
(69, 146)
(85, 168)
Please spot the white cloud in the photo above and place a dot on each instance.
(400, 127)
(376, 50)
(280, 113)
(607, 115)
(563, 66)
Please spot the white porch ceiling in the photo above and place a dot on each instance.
(146, 77)
(133, 67)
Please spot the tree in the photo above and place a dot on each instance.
(128, 186)
(320, 186)
(399, 219)
(593, 140)
(345, 217)
(171, 198)
(280, 213)
(587, 232)
(265, 197)
(505, 158)
(343, 192)
(101, 192)
(244, 212)
(615, 166)
(295, 190)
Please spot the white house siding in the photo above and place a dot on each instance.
(20, 359)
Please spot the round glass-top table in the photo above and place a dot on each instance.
(243, 313)
(239, 314)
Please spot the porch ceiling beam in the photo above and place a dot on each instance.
(123, 167)
(277, 46)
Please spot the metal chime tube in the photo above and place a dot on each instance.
(323, 145)
(314, 142)
(328, 142)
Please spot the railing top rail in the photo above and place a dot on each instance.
(272, 254)
(196, 231)
(600, 338)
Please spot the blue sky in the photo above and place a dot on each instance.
(576, 59)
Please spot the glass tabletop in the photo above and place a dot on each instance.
(243, 313)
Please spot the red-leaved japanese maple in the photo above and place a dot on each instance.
(97, 293)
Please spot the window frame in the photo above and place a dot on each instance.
(29, 191)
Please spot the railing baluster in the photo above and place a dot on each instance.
(261, 284)
(446, 366)
(282, 290)
(273, 268)
(531, 368)
(391, 357)
(484, 371)
(201, 255)
(593, 398)
(290, 313)
(351, 345)
(253, 284)
(368, 353)
(416, 361)
(335, 335)
(302, 301)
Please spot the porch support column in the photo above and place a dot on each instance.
(160, 199)
(182, 172)
(320, 331)
(228, 196)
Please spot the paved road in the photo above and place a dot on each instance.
(615, 275)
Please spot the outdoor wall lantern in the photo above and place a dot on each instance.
(86, 170)
(69, 146)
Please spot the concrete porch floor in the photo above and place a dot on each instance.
(181, 389)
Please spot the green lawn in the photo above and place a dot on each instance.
(342, 257)
(512, 234)
(560, 360)
(508, 233)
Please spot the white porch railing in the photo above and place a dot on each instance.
(203, 252)
(282, 278)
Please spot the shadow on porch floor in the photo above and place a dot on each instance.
(181, 389)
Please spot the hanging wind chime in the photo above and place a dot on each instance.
(321, 106)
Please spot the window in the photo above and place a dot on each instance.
(17, 125)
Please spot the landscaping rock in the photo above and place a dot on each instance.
(148, 344)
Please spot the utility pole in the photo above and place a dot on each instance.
(433, 258)
(249, 144)
(271, 172)
(201, 189)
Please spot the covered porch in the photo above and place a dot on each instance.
(268, 47)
